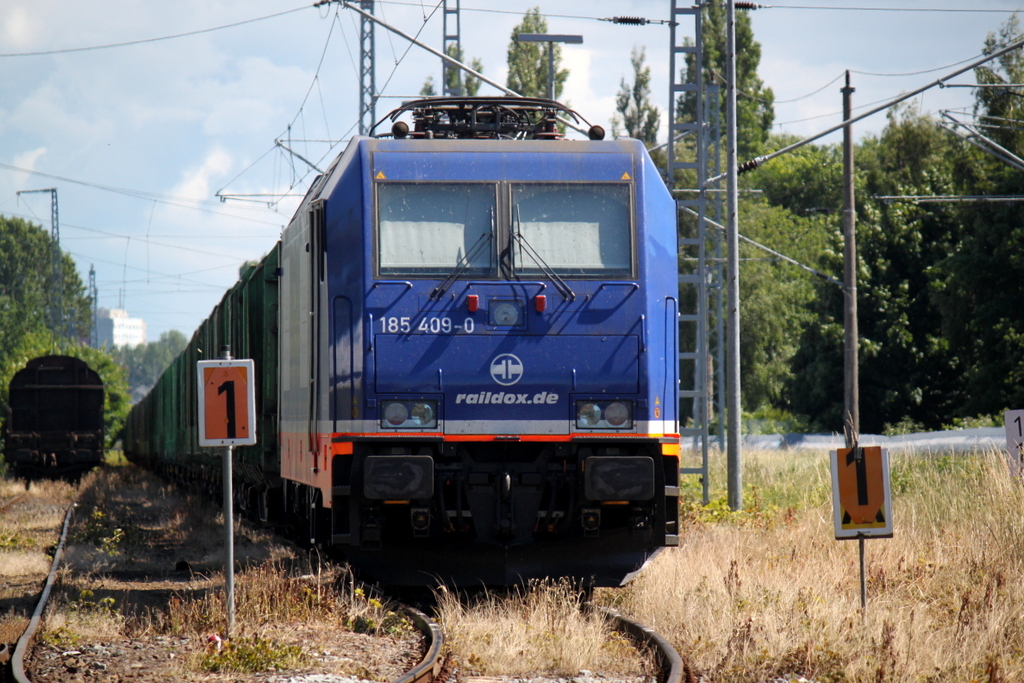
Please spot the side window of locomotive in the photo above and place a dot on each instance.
(430, 228)
(575, 229)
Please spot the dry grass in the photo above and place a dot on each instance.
(537, 630)
(270, 595)
(145, 561)
(129, 519)
(768, 592)
(41, 488)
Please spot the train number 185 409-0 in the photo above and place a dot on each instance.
(425, 325)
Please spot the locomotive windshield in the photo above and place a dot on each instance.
(428, 229)
(553, 229)
(575, 229)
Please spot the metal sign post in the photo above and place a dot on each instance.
(227, 418)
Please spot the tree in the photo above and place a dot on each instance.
(528, 62)
(755, 112)
(981, 289)
(25, 267)
(633, 103)
(776, 298)
(470, 84)
(1002, 105)
(907, 371)
(25, 288)
(146, 362)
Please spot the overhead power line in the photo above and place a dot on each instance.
(947, 198)
(141, 41)
(171, 200)
(896, 9)
(757, 161)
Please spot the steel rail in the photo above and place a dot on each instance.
(668, 658)
(429, 667)
(18, 661)
(13, 501)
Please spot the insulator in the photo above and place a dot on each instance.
(634, 21)
(748, 166)
(746, 5)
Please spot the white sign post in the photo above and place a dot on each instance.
(1014, 420)
(227, 417)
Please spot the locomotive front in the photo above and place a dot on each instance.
(492, 390)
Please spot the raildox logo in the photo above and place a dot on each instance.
(506, 369)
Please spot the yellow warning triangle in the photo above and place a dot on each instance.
(380, 176)
(625, 176)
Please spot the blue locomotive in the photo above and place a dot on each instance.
(476, 334)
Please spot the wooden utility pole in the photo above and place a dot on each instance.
(851, 383)
(851, 388)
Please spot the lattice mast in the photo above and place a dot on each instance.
(57, 322)
(452, 36)
(367, 79)
(697, 279)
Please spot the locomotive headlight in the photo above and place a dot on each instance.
(395, 413)
(423, 414)
(587, 414)
(604, 414)
(408, 414)
(617, 414)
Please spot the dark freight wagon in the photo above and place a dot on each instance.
(55, 417)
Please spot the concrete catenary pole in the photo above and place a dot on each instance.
(732, 243)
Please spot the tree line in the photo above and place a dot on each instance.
(941, 284)
(26, 329)
(940, 287)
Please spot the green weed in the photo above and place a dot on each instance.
(15, 540)
(251, 655)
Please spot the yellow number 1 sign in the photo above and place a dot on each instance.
(227, 403)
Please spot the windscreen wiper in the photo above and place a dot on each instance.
(528, 249)
(463, 264)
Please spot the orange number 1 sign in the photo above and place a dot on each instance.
(227, 405)
(861, 496)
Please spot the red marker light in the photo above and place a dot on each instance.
(472, 303)
(540, 302)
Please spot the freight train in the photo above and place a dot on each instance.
(54, 424)
(466, 348)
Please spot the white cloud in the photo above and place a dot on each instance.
(27, 160)
(19, 30)
(197, 182)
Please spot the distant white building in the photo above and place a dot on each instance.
(115, 328)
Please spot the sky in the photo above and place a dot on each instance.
(138, 139)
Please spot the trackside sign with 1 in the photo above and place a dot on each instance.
(1014, 421)
(861, 495)
(227, 403)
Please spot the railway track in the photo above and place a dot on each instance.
(431, 667)
(18, 660)
(13, 501)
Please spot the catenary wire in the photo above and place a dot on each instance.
(179, 202)
(141, 41)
